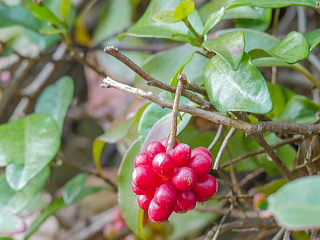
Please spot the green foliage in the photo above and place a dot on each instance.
(44, 14)
(213, 20)
(183, 10)
(10, 223)
(73, 188)
(297, 211)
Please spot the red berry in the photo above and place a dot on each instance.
(201, 163)
(164, 179)
(144, 177)
(178, 210)
(166, 141)
(157, 213)
(186, 200)
(201, 150)
(139, 191)
(154, 148)
(206, 187)
(200, 199)
(141, 159)
(163, 164)
(184, 178)
(144, 201)
(166, 196)
(181, 154)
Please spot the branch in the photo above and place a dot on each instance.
(249, 128)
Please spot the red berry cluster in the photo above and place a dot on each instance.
(173, 180)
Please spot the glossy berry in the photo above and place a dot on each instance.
(157, 213)
(164, 179)
(182, 154)
(141, 159)
(201, 150)
(186, 200)
(201, 163)
(166, 141)
(166, 196)
(154, 148)
(201, 199)
(163, 164)
(139, 191)
(144, 177)
(144, 201)
(177, 209)
(206, 187)
(184, 178)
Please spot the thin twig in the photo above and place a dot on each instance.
(279, 234)
(307, 161)
(257, 152)
(235, 213)
(216, 138)
(173, 132)
(223, 146)
(249, 128)
(113, 51)
(286, 235)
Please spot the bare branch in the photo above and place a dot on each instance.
(223, 146)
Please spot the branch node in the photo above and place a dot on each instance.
(110, 49)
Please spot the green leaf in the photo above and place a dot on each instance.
(297, 211)
(273, 3)
(127, 199)
(261, 23)
(16, 201)
(17, 15)
(174, 81)
(97, 148)
(185, 38)
(183, 10)
(11, 224)
(73, 188)
(230, 47)
(146, 26)
(54, 207)
(313, 38)
(56, 99)
(213, 20)
(299, 109)
(65, 8)
(51, 31)
(270, 187)
(44, 14)
(27, 145)
(241, 90)
(165, 16)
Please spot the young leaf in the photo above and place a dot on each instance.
(213, 20)
(127, 199)
(51, 31)
(164, 16)
(183, 10)
(16, 201)
(65, 8)
(18, 15)
(230, 47)
(56, 99)
(241, 90)
(313, 38)
(27, 145)
(44, 14)
(297, 211)
(11, 224)
(73, 188)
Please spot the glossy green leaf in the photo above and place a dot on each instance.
(185, 38)
(6, 238)
(73, 188)
(273, 3)
(270, 187)
(27, 145)
(241, 90)
(313, 38)
(297, 211)
(51, 31)
(174, 81)
(97, 148)
(165, 16)
(299, 109)
(183, 10)
(254, 39)
(16, 201)
(230, 47)
(17, 15)
(56, 99)
(148, 27)
(44, 14)
(54, 207)
(261, 23)
(213, 20)
(11, 224)
(127, 199)
(65, 8)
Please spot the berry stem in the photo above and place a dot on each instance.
(175, 110)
